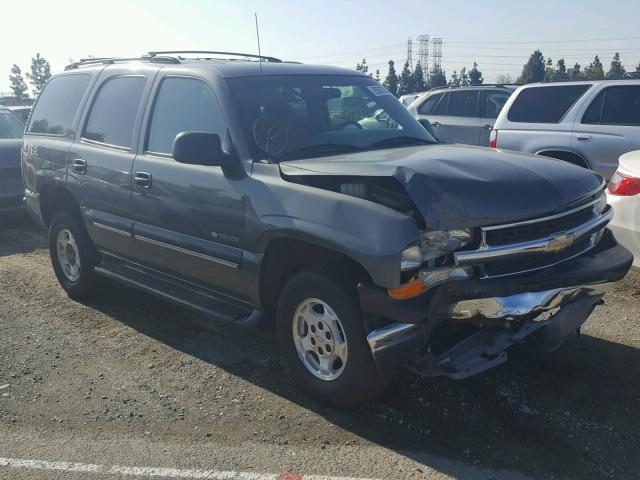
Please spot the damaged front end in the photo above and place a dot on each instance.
(500, 293)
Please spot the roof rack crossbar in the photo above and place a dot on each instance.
(235, 54)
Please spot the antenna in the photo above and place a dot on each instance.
(258, 37)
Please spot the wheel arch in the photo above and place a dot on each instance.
(54, 199)
(565, 155)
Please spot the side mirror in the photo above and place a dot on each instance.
(199, 148)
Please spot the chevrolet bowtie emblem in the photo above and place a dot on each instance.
(560, 242)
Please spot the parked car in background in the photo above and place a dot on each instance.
(238, 187)
(588, 123)
(624, 196)
(22, 111)
(11, 186)
(462, 114)
(409, 98)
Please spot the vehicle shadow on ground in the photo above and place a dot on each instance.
(553, 415)
(14, 229)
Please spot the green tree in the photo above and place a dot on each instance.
(438, 78)
(594, 70)
(475, 75)
(391, 82)
(638, 70)
(454, 81)
(560, 71)
(616, 70)
(419, 84)
(363, 67)
(406, 81)
(575, 73)
(18, 85)
(549, 71)
(505, 79)
(464, 78)
(534, 69)
(40, 73)
(377, 74)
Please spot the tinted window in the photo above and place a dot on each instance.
(442, 107)
(545, 104)
(57, 105)
(429, 104)
(183, 105)
(493, 103)
(463, 103)
(11, 126)
(621, 106)
(114, 111)
(592, 115)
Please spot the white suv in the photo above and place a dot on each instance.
(589, 123)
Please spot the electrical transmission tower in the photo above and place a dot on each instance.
(437, 54)
(423, 54)
(409, 54)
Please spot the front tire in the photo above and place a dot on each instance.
(73, 256)
(323, 341)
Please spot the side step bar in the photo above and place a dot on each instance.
(207, 302)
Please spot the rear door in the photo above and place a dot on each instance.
(101, 159)
(608, 127)
(189, 218)
(456, 118)
(491, 103)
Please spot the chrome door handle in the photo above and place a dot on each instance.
(436, 124)
(143, 179)
(487, 126)
(583, 138)
(79, 166)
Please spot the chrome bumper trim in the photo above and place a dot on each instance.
(523, 304)
(545, 245)
(391, 335)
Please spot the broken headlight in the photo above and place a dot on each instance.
(434, 244)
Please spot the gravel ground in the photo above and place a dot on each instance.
(131, 380)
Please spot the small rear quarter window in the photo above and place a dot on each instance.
(57, 104)
(545, 104)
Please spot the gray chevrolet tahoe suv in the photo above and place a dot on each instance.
(588, 123)
(239, 188)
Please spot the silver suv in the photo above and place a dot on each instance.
(588, 123)
(461, 114)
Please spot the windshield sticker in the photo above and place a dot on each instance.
(378, 90)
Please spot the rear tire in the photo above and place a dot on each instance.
(320, 325)
(73, 256)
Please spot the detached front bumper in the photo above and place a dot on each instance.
(547, 306)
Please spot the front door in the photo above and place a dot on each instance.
(491, 103)
(189, 218)
(455, 119)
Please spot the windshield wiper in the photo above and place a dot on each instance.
(402, 140)
(322, 149)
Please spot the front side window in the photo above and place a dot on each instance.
(11, 126)
(183, 105)
(493, 102)
(545, 104)
(463, 103)
(300, 116)
(429, 104)
(57, 104)
(114, 111)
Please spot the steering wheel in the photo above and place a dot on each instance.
(270, 134)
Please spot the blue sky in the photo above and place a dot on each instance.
(498, 34)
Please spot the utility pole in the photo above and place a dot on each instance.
(423, 54)
(437, 54)
(409, 54)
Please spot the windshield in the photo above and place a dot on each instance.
(11, 126)
(302, 116)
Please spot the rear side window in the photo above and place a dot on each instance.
(11, 126)
(443, 106)
(494, 100)
(545, 104)
(618, 105)
(114, 111)
(57, 105)
(429, 104)
(463, 103)
(183, 105)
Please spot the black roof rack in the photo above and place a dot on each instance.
(109, 60)
(444, 87)
(208, 52)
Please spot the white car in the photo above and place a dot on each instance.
(624, 196)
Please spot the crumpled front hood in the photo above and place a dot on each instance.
(460, 186)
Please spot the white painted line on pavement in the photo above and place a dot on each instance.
(159, 472)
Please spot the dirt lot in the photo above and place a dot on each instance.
(131, 380)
